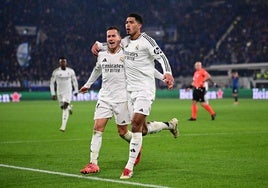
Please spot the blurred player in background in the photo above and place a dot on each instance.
(140, 51)
(65, 79)
(235, 85)
(198, 85)
(206, 92)
(113, 98)
(206, 86)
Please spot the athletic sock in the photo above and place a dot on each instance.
(194, 110)
(127, 137)
(95, 146)
(208, 108)
(134, 149)
(156, 126)
(236, 99)
(65, 116)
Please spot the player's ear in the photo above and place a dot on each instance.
(140, 26)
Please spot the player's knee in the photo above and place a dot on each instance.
(136, 126)
(64, 106)
(99, 126)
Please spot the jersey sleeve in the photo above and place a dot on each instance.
(156, 52)
(158, 75)
(102, 46)
(94, 75)
(74, 82)
(52, 83)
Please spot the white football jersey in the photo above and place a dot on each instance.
(65, 79)
(139, 62)
(111, 67)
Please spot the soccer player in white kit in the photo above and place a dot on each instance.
(112, 97)
(140, 51)
(65, 79)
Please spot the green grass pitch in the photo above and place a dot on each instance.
(231, 151)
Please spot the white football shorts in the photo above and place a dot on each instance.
(120, 111)
(140, 102)
(66, 97)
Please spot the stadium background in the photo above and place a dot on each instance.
(214, 32)
(228, 152)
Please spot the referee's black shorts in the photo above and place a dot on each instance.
(199, 94)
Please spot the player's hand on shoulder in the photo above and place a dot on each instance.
(54, 97)
(83, 90)
(169, 80)
(95, 49)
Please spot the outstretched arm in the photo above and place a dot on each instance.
(93, 77)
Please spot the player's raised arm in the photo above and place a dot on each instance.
(93, 77)
(52, 86)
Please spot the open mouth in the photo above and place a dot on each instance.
(111, 43)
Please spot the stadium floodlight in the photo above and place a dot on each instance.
(26, 30)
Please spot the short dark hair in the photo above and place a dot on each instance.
(62, 57)
(114, 28)
(137, 17)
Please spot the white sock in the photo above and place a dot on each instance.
(70, 107)
(155, 126)
(65, 116)
(95, 146)
(134, 149)
(127, 137)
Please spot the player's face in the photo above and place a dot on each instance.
(132, 26)
(113, 39)
(63, 63)
(197, 66)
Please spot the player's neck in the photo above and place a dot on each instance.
(135, 36)
(114, 50)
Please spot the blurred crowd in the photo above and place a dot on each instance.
(68, 28)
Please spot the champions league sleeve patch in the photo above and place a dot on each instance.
(157, 50)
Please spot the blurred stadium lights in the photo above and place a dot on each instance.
(159, 33)
(155, 32)
(26, 30)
